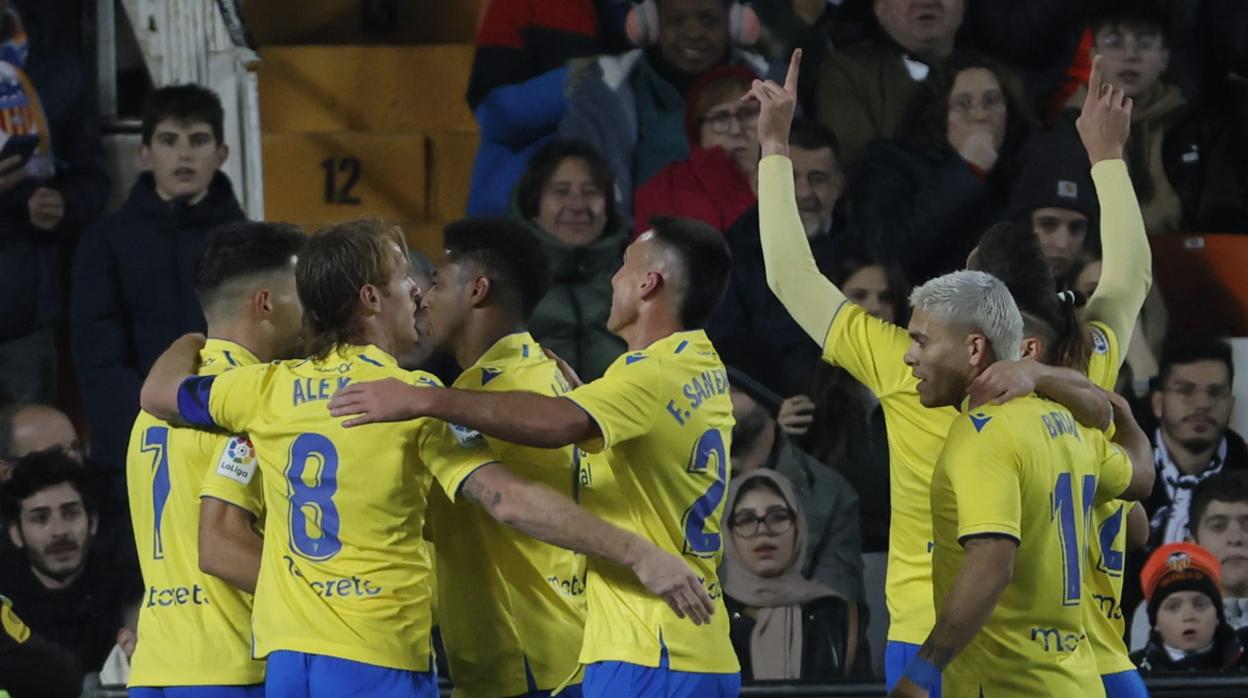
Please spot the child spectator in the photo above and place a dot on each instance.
(783, 625)
(567, 198)
(133, 294)
(719, 180)
(1189, 629)
(923, 201)
(1220, 525)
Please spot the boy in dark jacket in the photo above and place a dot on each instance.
(132, 295)
(1190, 632)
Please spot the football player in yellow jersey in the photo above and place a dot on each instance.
(662, 417)
(872, 351)
(194, 633)
(342, 601)
(1010, 501)
(510, 607)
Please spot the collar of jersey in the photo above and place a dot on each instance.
(369, 352)
(509, 348)
(680, 342)
(241, 355)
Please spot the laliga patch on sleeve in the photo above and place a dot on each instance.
(238, 461)
(1100, 343)
(465, 436)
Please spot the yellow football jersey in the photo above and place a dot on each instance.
(1107, 539)
(511, 608)
(194, 629)
(344, 570)
(871, 350)
(1029, 471)
(666, 420)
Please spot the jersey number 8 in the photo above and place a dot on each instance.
(313, 518)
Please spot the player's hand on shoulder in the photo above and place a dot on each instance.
(569, 373)
(1003, 381)
(669, 578)
(389, 400)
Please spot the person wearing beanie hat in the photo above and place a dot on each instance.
(1184, 604)
(717, 182)
(1054, 197)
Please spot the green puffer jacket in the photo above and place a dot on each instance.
(572, 319)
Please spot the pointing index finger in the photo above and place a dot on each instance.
(1094, 79)
(790, 80)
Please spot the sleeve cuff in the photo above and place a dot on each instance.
(193, 397)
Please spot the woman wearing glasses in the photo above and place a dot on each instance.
(921, 201)
(719, 180)
(783, 626)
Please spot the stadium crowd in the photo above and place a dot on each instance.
(806, 196)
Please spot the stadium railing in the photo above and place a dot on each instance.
(1186, 686)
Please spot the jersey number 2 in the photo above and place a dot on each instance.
(156, 440)
(1072, 552)
(709, 452)
(312, 505)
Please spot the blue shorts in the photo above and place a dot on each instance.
(300, 675)
(1124, 684)
(623, 680)
(896, 656)
(252, 691)
(573, 691)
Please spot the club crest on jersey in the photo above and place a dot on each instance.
(1100, 344)
(238, 461)
(463, 435)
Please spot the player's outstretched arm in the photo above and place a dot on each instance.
(1126, 265)
(792, 273)
(1134, 441)
(229, 547)
(1005, 380)
(159, 396)
(545, 514)
(986, 571)
(522, 418)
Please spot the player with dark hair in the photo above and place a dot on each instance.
(662, 418)
(195, 622)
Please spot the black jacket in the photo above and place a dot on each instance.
(1206, 161)
(826, 638)
(751, 329)
(1228, 654)
(924, 209)
(133, 296)
(32, 667)
(83, 618)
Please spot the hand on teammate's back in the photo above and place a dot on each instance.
(1105, 122)
(1003, 381)
(777, 104)
(669, 578)
(569, 373)
(389, 400)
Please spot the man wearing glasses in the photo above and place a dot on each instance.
(1192, 401)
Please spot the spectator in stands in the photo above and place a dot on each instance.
(30, 665)
(1189, 166)
(832, 553)
(45, 200)
(133, 290)
(719, 180)
(1190, 632)
(567, 198)
(29, 427)
(1220, 525)
(782, 624)
(1054, 196)
(631, 108)
(751, 328)
(67, 594)
(518, 75)
(844, 423)
(864, 90)
(1192, 402)
(923, 201)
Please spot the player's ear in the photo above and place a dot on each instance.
(370, 296)
(1031, 348)
(979, 352)
(262, 302)
(480, 290)
(653, 282)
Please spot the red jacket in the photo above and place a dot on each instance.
(708, 187)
